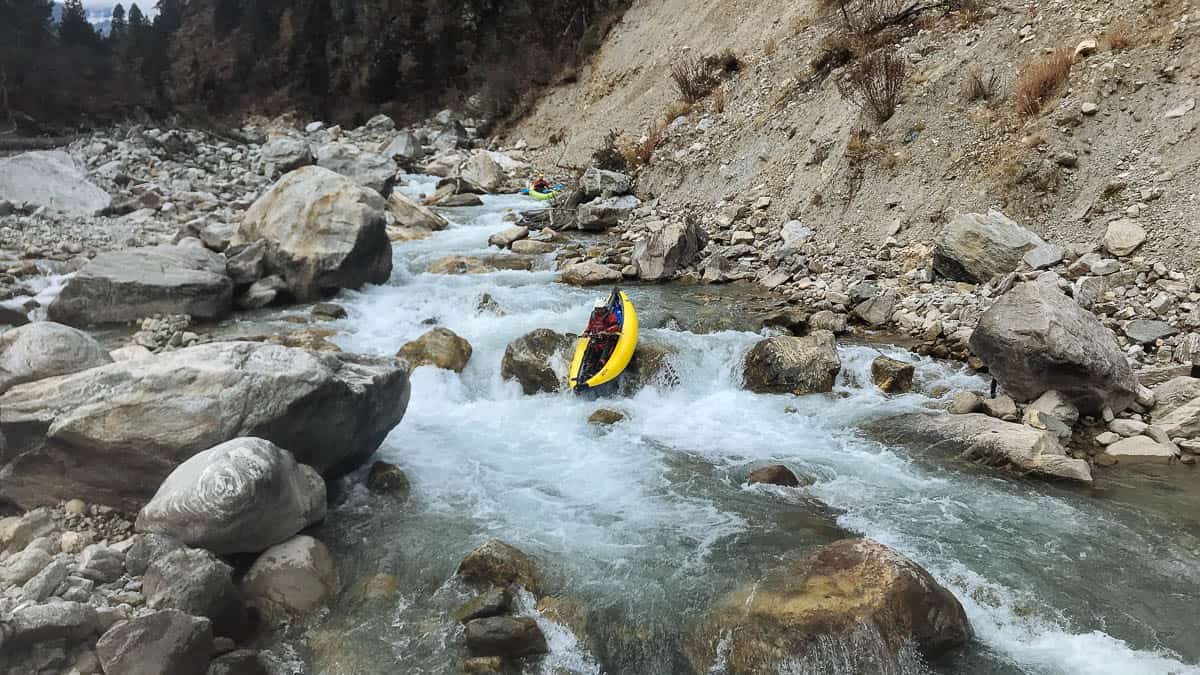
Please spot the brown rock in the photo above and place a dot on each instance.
(892, 376)
(777, 474)
(499, 564)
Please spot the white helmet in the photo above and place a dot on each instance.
(600, 304)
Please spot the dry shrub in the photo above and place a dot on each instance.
(771, 46)
(609, 156)
(676, 109)
(1040, 80)
(726, 62)
(1120, 35)
(874, 83)
(980, 87)
(719, 100)
(860, 140)
(863, 17)
(638, 153)
(694, 78)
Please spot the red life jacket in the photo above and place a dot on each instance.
(603, 322)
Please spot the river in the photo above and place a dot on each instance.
(648, 521)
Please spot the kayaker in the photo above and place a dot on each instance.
(602, 331)
(541, 184)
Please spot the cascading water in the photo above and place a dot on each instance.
(645, 523)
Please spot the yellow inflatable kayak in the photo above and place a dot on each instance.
(583, 375)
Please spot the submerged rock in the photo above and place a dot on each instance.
(46, 349)
(834, 593)
(460, 264)
(385, 478)
(440, 347)
(242, 496)
(508, 636)
(792, 365)
(776, 474)
(498, 564)
(605, 417)
(538, 361)
(492, 602)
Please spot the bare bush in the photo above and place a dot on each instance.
(609, 156)
(694, 78)
(1040, 80)
(1120, 35)
(981, 87)
(725, 62)
(719, 100)
(874, 83)
(639, 153)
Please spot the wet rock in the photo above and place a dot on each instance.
(492, 602)
(603, 213)
(52, 621)
(506, 238)
(460, 200)
(507, 636)
(321, 231)
(46, 349)
(169, 641)
(605, 417)
(984, 439)
(670, 247)
(126, 285)
(239, 662)
(878, 310)
(600, 183)
(791, 319)
(412, 220)
(440, 347)
(385, 478)
(241, 496)
(498, 564)
(1148, 331)
(829, 596)
(589, 273)
(1140, 450)
(1035, 339)
(286, 153)
(52, 179)
(792, 365)
(458, 264)
(196, 582)
(650, 367)
(483, 665)
(12, 316)
(483, 171)
(329, 311)
(367, 169)
(976, 247)
(777, 474)
(1123, 237)
(892, 376)
(1001, 407)
(330, 410)
(292, 579)
(532, 247)
(101, 564)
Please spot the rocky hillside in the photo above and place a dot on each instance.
(339, 58)
(1114, 136)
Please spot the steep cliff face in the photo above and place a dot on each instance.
(343, 59)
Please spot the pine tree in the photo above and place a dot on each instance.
(118, 27)
(170, 15)
(75, 31)
(137, 20)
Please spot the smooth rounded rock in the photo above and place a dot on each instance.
(292, 579)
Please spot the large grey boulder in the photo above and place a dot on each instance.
(194, 581)
(368, 169)
(590, 273)
(807, 608)
(603, 213)
(52, 179)
(404, 147)
(292, 579)
(670, 247)
(793, 365)
(322, 233)
(601, 183)
(975, 247)
(115, 432)
(127, 285)
(169, 641)
(1035, 339)
(411, 220)
(538, 361)
(1123, 236)
(483, 171)
(53, 621)
(45, 349)
(1177, 408)
(287, 153)
(243, 496)
(987, 440)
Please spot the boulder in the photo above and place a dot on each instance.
(287, 153)
(795, 234)
(53, 621)
(367, 169)
(169, 641)
(115, 432)
(1140, 450)
(147, 548)
(605, 417)
(242, 496)
(460, 264)
(404, 147)
(292, 579)
(492, 602)
(601, 183)
(1035, 339)
(670, 247)
(828, 320)
(965, 402)
(248, 264)
(1054, 403)
(877, 310)
(1001, 407)
(194, 581)
(101, 564)
(822, 603)
(650, 367)
(13, 316)
(1148, 331)
(483, 171)
(793, 365)
(590, 273)
(532, 247)
(987, 440)
(321, 231)
(329, 311)
(1177, 407)
(17, 532)
(43, 584)
(53, 179)
(601, 214)
(23, 566)
(263, 292)
(506, 238)
(385, 478)
(538, 361)
(460, 200)
(495, 563)
(892, 376)
(1123, 237)
(506, 636)
(127, 285)
(46, 349)
(776, 474)
(440, 347)
(239, 662)
(975, 247)
(410, 215)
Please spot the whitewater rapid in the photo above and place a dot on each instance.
(648, 521)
